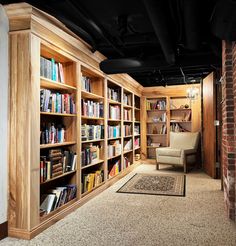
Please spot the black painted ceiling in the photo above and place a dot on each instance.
(157, 42)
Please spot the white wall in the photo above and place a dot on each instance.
(4, 27)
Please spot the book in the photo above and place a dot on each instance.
(48, 202)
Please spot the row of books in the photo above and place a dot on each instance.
(92, 132)
(113, 94)
(159, 118)
(127, 99)
(51, 133)
(127, 114)
(113, 131)
(86, 84)
(92, 180)
(90, 154)
(127, 130)
(136, 130)
(56, 102)
(91, 108)
(114, 112)
(51, 69)
(162, 130)
(114, 168)
(136, 142)
(114, 148)
(56, 197)
(56, 163)
(158, 105)
(127, 162)
(127, 145)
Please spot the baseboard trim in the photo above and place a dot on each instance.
(3, 230)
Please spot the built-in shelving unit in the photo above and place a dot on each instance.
(165, 114)
(68, 116)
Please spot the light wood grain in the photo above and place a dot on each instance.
(209, 131)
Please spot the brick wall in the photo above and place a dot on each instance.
(229, 126)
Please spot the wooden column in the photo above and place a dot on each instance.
(24, 131)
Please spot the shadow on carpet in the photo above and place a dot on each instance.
(155, 184)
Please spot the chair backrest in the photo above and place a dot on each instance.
(184, 140)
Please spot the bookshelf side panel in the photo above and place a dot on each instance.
(24, 135)
(34, 131)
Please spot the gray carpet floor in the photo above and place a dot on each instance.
(133, 219)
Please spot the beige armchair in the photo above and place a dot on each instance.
(182, 150)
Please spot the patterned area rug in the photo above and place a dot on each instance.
(153, 184)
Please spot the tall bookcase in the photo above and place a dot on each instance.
(59, 142)
(163, 115)
(64, 115)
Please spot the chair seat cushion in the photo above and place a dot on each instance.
(169, 152)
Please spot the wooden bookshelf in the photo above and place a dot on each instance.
(58, 114)
(179, 110)
(89, 95)
(78, 77)
(92, 164)
(54, 85)
(55, 145)
(58, 177)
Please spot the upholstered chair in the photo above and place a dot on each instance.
(182, 150)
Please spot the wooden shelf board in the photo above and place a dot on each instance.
(158, 122)
(156, 110)
(115, 120)
(109, 158)
(180, 121)
(180, 109)
(92, 164)
(91, 118)
(58, 114)
(94, 188)
(136, 148)
(89, 95)
(58, 177)
(130, 136)
(136, 135)
(45, 146)
(114, 138)
(127, 106)
(114, 175)
(94, 140)
(127, 151)
(138, 109)
(110, 101)
(137, 121)
(54, 85)
(127, 121)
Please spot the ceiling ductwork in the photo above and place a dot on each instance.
(157, 11)
(223, 21)
(132, 65)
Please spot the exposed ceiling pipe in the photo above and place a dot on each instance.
(66, 20)
(80, 32)
(191, 13)
(91, 25)
(132, 65)
(157, 11)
